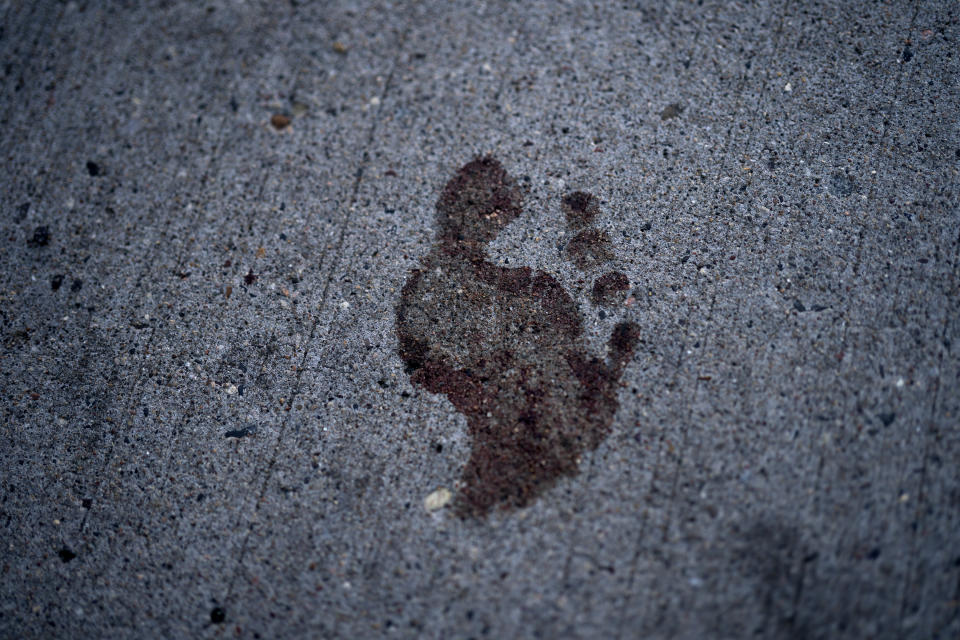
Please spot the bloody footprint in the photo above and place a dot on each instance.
(506, 346)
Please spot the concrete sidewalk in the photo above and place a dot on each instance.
(209, 211)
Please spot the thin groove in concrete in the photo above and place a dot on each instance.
(741, 83)
(132, 394)
(323, 296)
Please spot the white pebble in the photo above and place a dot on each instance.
(438, 499)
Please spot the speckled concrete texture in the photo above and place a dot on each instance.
(209, 210)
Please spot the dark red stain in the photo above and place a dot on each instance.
(590, 249)
(506, 346)
(609, 288)
(580, 208)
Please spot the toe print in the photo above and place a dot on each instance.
(506, 346)
(580, 208)
(610, 289)
(590, 249)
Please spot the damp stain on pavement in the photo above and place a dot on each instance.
(506, 347)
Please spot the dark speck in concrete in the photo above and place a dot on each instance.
(842, 185)
(56, 281)
(887, 418)
(76, 285)
(240, 433)
(671, 111)
(250, 278)
(66, 554)
(93, 168)
(40, 237)
(217, 615)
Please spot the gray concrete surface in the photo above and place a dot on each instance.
(784, 460)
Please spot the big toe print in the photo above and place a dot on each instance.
(506, 346)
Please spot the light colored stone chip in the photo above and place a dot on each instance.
(438, 499)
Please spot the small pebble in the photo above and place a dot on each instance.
(438, 499)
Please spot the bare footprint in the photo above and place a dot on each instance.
(506, 346)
